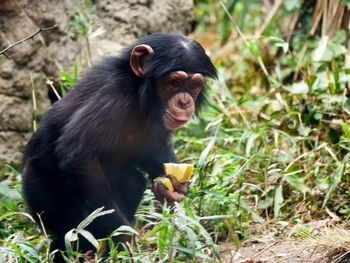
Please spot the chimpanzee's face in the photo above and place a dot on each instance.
(179, 91)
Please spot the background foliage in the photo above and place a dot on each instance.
(271, 147)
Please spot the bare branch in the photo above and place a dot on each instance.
(3, 52)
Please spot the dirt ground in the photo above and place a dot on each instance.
(320, 244)
(283, 250)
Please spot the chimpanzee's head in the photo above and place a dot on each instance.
(177, 66)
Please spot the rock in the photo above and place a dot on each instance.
(12, 145)
(115, 25)
(15, 114)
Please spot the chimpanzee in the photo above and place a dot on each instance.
(95, 145)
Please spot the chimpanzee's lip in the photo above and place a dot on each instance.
(178, 120)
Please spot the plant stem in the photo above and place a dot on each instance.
(3, 52)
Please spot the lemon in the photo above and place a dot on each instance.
(166, 182)
(182, 171)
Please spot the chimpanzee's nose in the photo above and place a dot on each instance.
(184, 101)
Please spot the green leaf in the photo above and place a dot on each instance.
(71, 235)
(95, 214)
(250, 143)
(6, 215)
(215, 217)
(298, 183)
(334, 181)
(253, 47)
(299, 88)
(67, 77)
(14, 247)
(347, 104)
(265, 203)
(284, 46)
(321, 50)
(190, 252)
(278, 201)
(327, 50)
(207, 150)
(346, 130)
(122, 230)
(75, 72)
(279, 42)
(89, 237)
(8, 192)
(163, 240)
(292, 5)
(304, 131)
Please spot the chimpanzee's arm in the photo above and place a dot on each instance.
(159, 153)
(154, 166)
(90, 185)
(77, 151)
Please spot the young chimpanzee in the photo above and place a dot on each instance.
(94, 145)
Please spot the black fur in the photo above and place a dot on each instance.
(92, 144)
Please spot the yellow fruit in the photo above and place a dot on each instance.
(166, 182)
(182, 171)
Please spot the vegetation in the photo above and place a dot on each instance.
(271, 147)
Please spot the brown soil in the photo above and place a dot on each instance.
(319, 245)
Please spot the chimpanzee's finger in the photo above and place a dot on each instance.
(170, 197)
(157, 192)
(178, 187)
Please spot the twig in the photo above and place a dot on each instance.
(267, 4)
(3, 52)
(34, 103)
(269, 17)
(244, 38)
(50, 83)
(266, 248)
(303, 155)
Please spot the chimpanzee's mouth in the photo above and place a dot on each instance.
(178, 121)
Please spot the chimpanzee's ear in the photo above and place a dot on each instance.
(136, 58)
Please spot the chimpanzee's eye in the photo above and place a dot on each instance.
(175, 83)
(196, 89)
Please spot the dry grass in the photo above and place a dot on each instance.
(317, 242)
(332, 247)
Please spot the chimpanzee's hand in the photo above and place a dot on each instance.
(162, 193)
